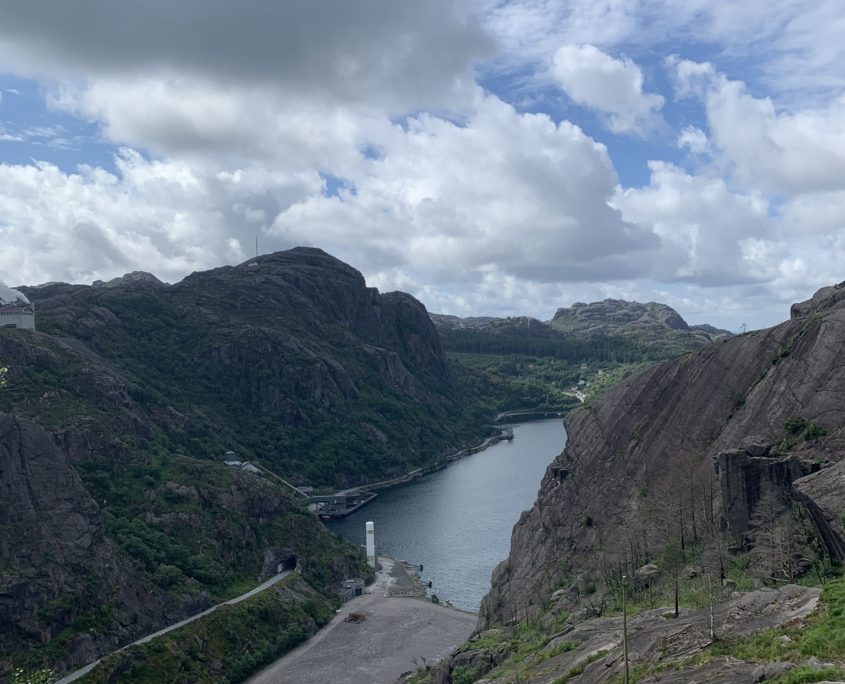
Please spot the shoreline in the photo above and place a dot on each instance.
(504, 434)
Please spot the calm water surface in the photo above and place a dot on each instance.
(457, 522)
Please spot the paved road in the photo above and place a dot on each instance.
(396, 633)
(73, 676)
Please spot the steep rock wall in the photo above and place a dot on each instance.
(679, 416)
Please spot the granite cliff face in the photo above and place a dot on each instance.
(759, 412)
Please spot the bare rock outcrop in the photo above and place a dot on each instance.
(594, 649)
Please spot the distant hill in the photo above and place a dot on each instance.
(610, 331)
(652, 323)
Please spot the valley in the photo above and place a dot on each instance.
(121, 516)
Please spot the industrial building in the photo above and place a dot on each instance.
(17, 315)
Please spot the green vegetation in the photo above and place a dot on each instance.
(21, 676)
(310, 404)
(516, 340)
(226, 646)
(525, 364)
(822, 635)
(178, 521)
(523, 649)
(169, 514)
(189, 525)
(512, 383)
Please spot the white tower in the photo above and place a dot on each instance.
(371, 544)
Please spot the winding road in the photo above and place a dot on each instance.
(73, 676)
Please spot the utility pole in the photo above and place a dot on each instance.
(744, 328)
(625, 625)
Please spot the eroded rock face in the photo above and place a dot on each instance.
(670, 422)
(744, 479)
(823, 493)
(55, 559)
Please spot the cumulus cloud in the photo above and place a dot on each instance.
(514, 192)
(613, 87)
(702, 224)
(362, 128)
(783, 151)
(503, 194)
(693, 139)
(167, 217)
(796, 47)
(182, 116)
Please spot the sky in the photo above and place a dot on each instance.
(490, 157)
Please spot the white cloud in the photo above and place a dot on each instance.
(10, 296)
(781, 151)
(502, 195)
(796, 47)
(760, 257)
(811, 215)
(508, 191)
(613, 87)
(693, 139)
(247, 120)
(701, 222)
(170, 218)
(180, 116)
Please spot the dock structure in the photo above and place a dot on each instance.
(339, 504)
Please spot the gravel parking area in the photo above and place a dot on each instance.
(396, 635)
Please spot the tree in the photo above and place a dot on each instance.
(777, 540)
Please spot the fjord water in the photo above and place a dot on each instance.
(457, 522)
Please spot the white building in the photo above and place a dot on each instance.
(17, 315)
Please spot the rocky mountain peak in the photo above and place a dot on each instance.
(130, 279)
(618, 312)
(827, 298)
